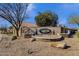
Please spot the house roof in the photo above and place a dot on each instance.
(29, 24)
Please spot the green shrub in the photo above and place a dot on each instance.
(46, 19)
(64, 34)
(77, 34)
(27, 36)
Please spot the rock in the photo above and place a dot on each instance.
(27, 35)
(7, 45)
(59, 45)
(14, 37)
(32, 40)
(29, 51)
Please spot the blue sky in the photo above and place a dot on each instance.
(63, 10)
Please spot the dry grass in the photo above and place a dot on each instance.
(24, 47)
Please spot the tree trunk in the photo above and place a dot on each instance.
(17, 32)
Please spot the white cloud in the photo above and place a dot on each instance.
(30, 8)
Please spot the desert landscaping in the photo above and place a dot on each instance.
(25, 47)
(47, 33)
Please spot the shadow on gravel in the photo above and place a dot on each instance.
(67, 47)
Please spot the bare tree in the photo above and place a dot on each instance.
(14, 13)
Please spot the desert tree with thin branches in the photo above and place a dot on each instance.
(74, 19)
(14, 13)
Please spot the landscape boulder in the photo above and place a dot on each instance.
(27, 36)
(14, 37)
(59, 45)
(33, 39)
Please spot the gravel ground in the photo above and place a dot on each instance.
(24, 47)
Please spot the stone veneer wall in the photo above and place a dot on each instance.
(55, 30)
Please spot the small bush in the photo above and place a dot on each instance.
(14, 37)
(64, 34)
(27, 36)
(77, 34)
